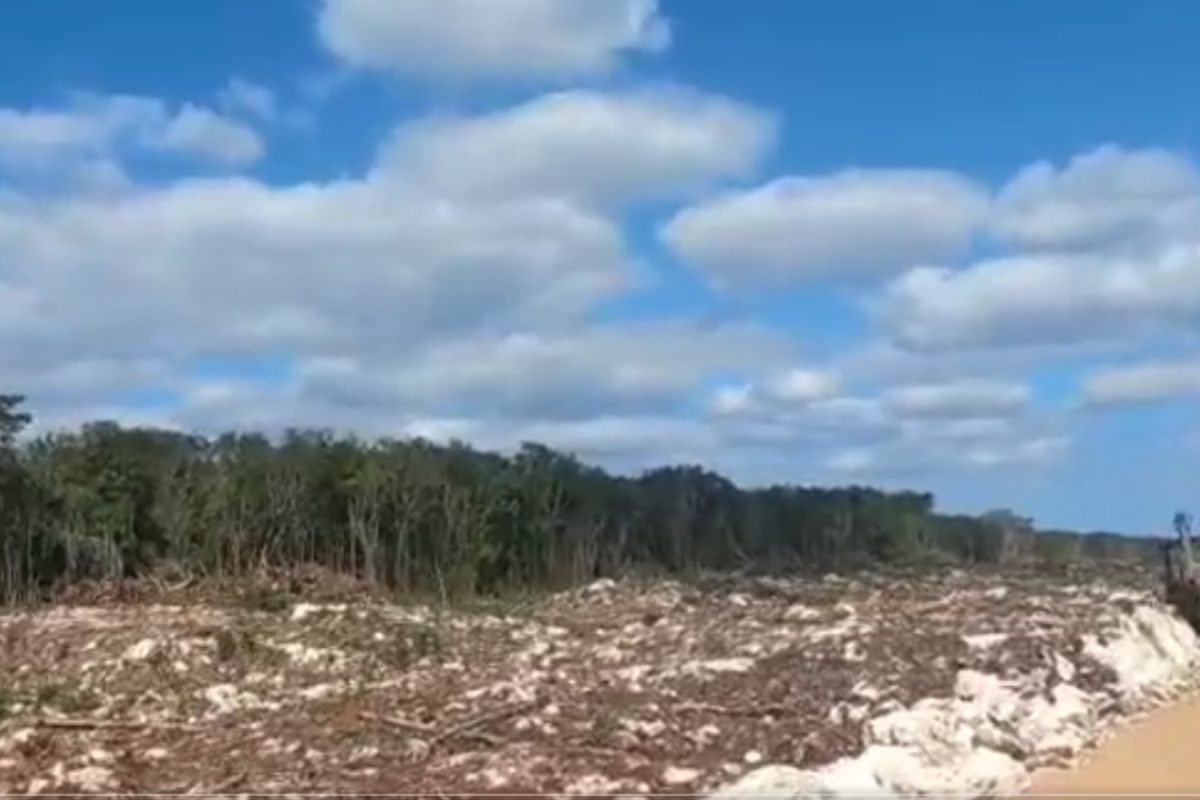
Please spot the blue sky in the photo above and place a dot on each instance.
(941, 245)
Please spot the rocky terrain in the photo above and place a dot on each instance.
(959, 683)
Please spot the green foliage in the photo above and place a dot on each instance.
(110, 502)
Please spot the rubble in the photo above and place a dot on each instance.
(897, 686)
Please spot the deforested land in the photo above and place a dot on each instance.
(322, 613)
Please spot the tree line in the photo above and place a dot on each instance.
(111, 502)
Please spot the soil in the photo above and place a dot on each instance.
(1158, 754)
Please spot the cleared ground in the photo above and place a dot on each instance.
(609, 689)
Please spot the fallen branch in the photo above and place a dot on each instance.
(467, 726)
(460, 730)
(75, 724)
(400, 723)
(223, 787)
(728, 711)
(424, 729)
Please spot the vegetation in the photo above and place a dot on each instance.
(111, 502)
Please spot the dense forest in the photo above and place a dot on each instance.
(110, 502)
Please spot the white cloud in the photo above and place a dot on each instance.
(95, 129)
(202, 132)
(1107, 196)
(853, 461)
(779, 393)
(841, 226)
(1038, 451)
(626, 431)
(592, 146)
(407, 254)
(91, 124)
(1052, 299)
(802, 386)
(65, 386)
(235, 265)
(1104, 250)
(908, 456)
(452, 288)
(1111, 253)
(1142, 383)
(962, 399)
(246, 96)
(879, 360)
(630, 435)
(401, 294)
(571, 374)
(546, 39)
(915, 427)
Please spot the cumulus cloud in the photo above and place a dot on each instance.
(962, 399)
(207, 133)
(1107, 249)
(882, 360)
(840, 226)
(802, 386)
(911, 427)
(232, 265)
(908, 457)
(243, 96)
(632, 431)
(953, 427)
(1046, 299)
(1108, 196)
(634, 368)
(1138, 384)
(98, 127)
(621, 439)
(461, 285)
(1100, 250)
(90, 125)
(538, 39)
(410, 253)
(590, 146)
(413, 297)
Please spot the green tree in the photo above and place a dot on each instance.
(109, 502)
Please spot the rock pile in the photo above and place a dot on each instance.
(984, 739)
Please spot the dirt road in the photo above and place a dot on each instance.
(1158, 754)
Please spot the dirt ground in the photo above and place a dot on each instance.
(1159, 754)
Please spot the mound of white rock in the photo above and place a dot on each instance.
(983, 741)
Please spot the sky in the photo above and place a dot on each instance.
(946, 246)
